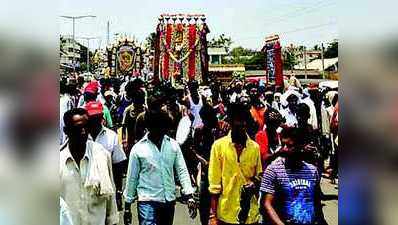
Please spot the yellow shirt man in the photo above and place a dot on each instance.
(227, 176)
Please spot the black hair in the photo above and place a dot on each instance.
(238, 111)
(168, 90)
(63, 86)
(193, 85)
(290, 132)
(292, 97)
(303, 110)
(71, 113)
(138, 82)
(335, 99)
(208, 115)
(129, 87)
(155, 101)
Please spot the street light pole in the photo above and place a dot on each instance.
(88, 55)
(73, 45)
(88, 50)
(323, 62)
(74, 18)
(305, 62)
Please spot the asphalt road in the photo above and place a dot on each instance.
(330, 208)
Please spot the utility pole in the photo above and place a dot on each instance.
(305, 62)
(88, 50)
(323, 61)
(74, 18)
(107, 33)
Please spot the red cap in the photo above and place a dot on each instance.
(91, 87)
(94, 108)
(312, 86)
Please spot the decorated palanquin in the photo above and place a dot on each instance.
(124, 58)
(97, 60)
(273, 64)
(181, 48)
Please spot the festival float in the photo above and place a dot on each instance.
(124, 58)
(273, 57)
(99, 63)
(181, 48)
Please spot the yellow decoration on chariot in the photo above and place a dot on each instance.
(126, 60)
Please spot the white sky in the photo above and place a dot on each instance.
(304, 22)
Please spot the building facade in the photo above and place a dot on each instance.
(72, 53)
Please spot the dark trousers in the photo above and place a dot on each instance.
(204, 202)
(334, 163)
(156, 213)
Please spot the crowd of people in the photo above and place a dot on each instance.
(248, 153)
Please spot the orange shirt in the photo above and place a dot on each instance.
(258, 116)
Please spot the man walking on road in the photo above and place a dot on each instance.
(150, 175)
(86, 175)
(234, 170)
(291, 186)
(109, 140)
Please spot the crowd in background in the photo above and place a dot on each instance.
(248, 153)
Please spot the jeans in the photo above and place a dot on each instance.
(156, 213)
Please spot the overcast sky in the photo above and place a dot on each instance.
(247, 22)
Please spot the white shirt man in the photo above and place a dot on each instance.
(313, 120)
(290, 117)
(109, 140)
(89, 204)
(64, 214)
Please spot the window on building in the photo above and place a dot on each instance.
(215, 59)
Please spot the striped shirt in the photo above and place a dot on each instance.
(294, 190)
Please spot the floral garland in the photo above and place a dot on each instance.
(173, 57)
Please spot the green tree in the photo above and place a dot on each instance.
(332, 50)
(256, 60)
(250, 58)
(289, 60)
(240, 51)
(221, 41)
(83, 67)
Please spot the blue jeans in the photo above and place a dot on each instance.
(156, 213)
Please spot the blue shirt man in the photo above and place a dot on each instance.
(291, 186)
(150, 174)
